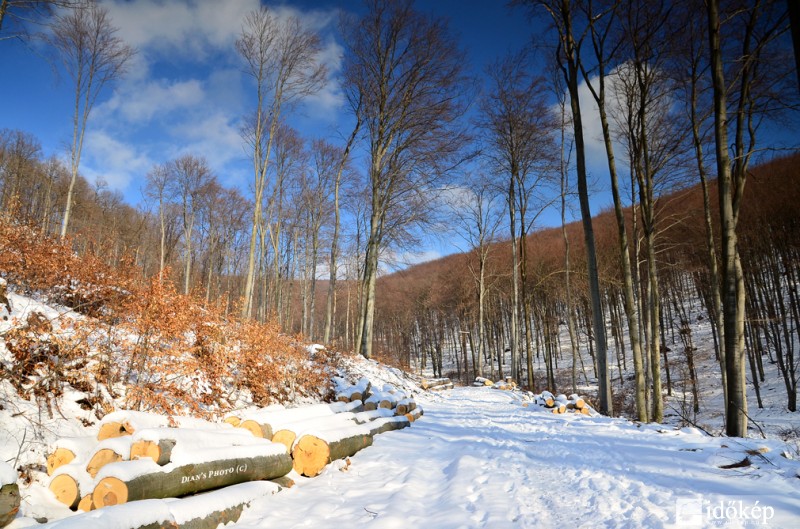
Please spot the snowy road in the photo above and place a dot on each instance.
(479, 459)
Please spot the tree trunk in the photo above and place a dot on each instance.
(312, 452)
(736, 405)
(253, 464)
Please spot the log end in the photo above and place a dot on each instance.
(112, 429)
(310, 456)
(286, 438)
(60, 457)
(66, 490)
(233, 420)
(110, 491)
(100, 459)
(257, 429)
(86, 504)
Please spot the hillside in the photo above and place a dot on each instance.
(428, 314)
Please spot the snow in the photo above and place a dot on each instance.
(278, 418)
(7, 474)
(81, 446)
(192, 439)
(479, 459)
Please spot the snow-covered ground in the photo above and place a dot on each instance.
(478, 458)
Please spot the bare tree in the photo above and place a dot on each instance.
(16, 14)
(93, 57)
(157, 188)
(520, 146)
(568, 56)
(759, 23)
(330, 307)
(281, 56)
(478, 216)
(189, 176)
(404, 70)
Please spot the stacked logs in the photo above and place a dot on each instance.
(138, 456)
(562, 404)
(436, 384)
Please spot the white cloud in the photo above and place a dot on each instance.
(112, 160)
(139, 102)
(186, 29)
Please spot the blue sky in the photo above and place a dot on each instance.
(185, 91)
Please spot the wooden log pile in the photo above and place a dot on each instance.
(436, 384)
(143, 457)
(564, 404)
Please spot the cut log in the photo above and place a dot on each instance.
(380, 399)
(143, 479)
(315, 450)
(436, 383)
(59, 457)
(233, 420)
(358, 391)
(159, 451)
(311, 452)
(102, 458)
(284, 481)
(111, 450)
(126, 422)
(66, 486)
(265, 424)
(414, 414)
(9, 503)
(203, 511)
(288, 433)
(159, 444)
(70, 450)
(86, 504)
(258, 429)
(404, 406)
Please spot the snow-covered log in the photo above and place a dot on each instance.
(286, 434)
(315, 450)
(367, 416)
(436, 383)
(265, 423)
(111, 450)
(414, 414)
(86, 504)
(70, 483)
(9, 494)
(159, 443)
(208, 510)
(67, 449)
(404, 406)
(380, 399)
(358, 391)
(208, 469)
(126, 422)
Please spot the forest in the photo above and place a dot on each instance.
(688, 94)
